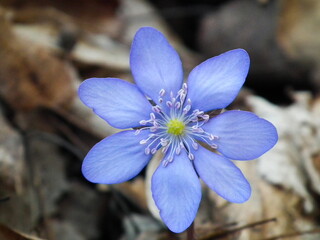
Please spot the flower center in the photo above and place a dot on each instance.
(175, 127)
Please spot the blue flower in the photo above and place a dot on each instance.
(171, 116)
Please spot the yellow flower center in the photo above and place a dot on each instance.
(175, 127)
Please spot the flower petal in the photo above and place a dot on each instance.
(116, 159)
(118, 102)
(155, 65)
(222, 176)
(176, 191)
(242, 135)
(215, 83)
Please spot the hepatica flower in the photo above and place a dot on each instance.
(168, 115)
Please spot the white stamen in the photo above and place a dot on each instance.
(143, 141)
(153, 150)
(147, 151)
(215, 146)
(177, 105)
(172, 144)
(162, 92)
(195, 145)
(191, 156)
(137, 132)
(156, 109)
(143, 122)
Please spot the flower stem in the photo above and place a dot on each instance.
(190, 232)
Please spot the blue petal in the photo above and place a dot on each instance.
(155, 65)
(176, 191)
(242, 135)
(215, 83)
(116, 159)
(118, 102)
(222, 176)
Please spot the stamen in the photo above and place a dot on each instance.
(137, 132)
(156, 109)
(211, 137)
(214, 146)
(177, 105)
(162, 92)
(152, 116)
(164, 142)
(147, 151)
(176, 128)
(186, 109)
(185, 87)
(143, 122)
(195, 145)
(178, 149)
(191, 156)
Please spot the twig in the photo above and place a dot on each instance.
(190, 232)
(217, 235)
(4, 199)
(293, 234)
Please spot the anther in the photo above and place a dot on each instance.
(165, 163)
(186, 109)
(152, 116)
(191, 156)
(184, 86)
(182, 97)
(153, 129)
(195, 145)
(156, 109)
(178, 150)
(214, 146)
(205, 117)
(165, 149)
(143, 141)
(211, 137)
(143, 122)
(147, 151)
(164, 142)
(162, 92)
(137, 132)
(177, 105)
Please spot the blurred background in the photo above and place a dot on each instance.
(48, 47)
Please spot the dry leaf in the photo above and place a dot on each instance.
(10, 234)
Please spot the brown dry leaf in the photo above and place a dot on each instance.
(31, 76)
(7, 233)
(58, 32)
(298, 31)
(97, 16)
(11, 158)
